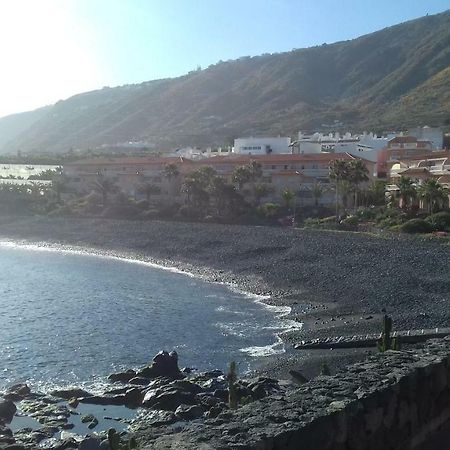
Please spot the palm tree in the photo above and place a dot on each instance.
(149, 189)
(358, 173)
(241, 175)
(251, 172)
(434, 193)
(338, 171)
(288, 196)
(260, 191)
(407, 190)
(104, 186)
(171, 173)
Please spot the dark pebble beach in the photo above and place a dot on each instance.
(336, 283)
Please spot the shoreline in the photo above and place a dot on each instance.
(281, 313)
(333, 285)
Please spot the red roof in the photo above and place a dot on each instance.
(130, 160)
(275, 158)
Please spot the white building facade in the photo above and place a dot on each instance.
(262, 145)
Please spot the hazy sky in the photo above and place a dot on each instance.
(52, 49)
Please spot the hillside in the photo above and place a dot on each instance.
(15, 124)
(392, 78)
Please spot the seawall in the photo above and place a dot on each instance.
(393, 400)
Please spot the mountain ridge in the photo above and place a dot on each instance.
(365, 83)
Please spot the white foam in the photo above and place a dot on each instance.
(268, 350)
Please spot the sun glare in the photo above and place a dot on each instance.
(47, 39)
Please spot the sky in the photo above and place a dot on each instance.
(53, 49)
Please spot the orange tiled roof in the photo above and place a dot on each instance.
(130, 160)
(275, 158)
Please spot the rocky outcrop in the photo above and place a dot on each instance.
(393, 400)
(164, 364)
(7, 410)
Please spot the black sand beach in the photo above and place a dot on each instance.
(336, 283)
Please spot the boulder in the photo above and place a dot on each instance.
(17, 392)
(185, 412)
(7, 410)
(122, 377)
(134, 397)
(141, 381)
(90, 443)
(164, 364)
(104, 400)
(69, 393)
(168, 400)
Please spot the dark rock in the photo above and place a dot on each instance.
(5, 431)
(17, 392)
(168, 400)
(67, 394)
(122, 377)
(134, 397)
(221, 394)
(73, 402)
(90, 443)
(104, 400)
(164, 365)
(7, 410)
(157, 418)
(186, 386)
(140, 381)
(298, 377)
(87, 418)
(214, 384)
(213, 373)
(185, 412)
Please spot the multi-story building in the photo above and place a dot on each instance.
(419, 168)
(299, 173)
(128, 173)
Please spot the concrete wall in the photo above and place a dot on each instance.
(394, 400)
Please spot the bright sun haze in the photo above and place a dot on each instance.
(52, 49)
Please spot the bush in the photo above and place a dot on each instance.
(311, 222)
(416, 226)
(330, 219)
(269, 210)
(350, 220)
(439, 221)
(366, 213)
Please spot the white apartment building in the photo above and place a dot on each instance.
(262, 145)
(337, 143)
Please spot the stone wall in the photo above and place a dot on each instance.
(393, 400)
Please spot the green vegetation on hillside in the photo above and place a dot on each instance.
(389, 79)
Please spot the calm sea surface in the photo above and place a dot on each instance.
(67, 318)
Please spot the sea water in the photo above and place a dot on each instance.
(71, 319)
